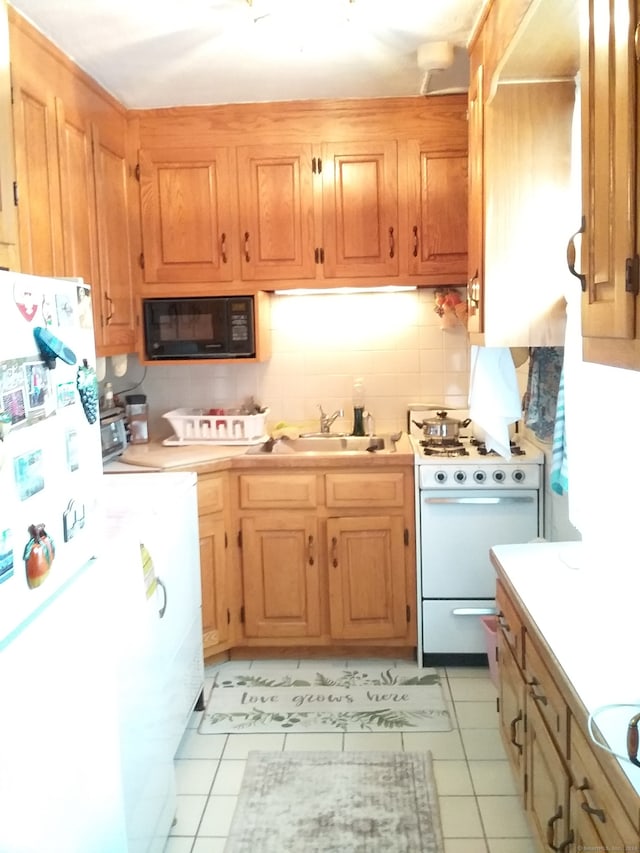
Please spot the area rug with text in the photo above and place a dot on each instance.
(326, 699)
(337, 802)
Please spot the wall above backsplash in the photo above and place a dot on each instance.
(395, 342)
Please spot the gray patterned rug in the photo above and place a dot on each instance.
(326, 699)
(337, 802)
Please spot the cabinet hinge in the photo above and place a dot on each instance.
(239, 538)
(408, 613)
(228, 616)
(406, 536)
(242, 613)
(136, 172)
(141, 260)
(631, 278)
(15, 193)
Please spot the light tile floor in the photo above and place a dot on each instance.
(479, 805)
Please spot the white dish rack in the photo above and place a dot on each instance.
(197, 426)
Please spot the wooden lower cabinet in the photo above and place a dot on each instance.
(575, 796)
(280, 573)
(220, 611)
(512, 711)
(327, 559)
(367, 588)
(547, 785)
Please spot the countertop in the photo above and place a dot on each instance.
(586, 608)
(204, 458)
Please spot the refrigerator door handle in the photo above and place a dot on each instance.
(163, 609)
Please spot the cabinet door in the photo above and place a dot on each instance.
(367, 585)
(476, 202)
(547, 798)
(609, 128)
(360, 209)
(38, 180)
(77, 191)
(216, 615)
(275, 189)
(8, 213)
(112, 177)
(438, 183)
(281, 576)
(186, 214)
(512, 704)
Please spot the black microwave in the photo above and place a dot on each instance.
(199, 327)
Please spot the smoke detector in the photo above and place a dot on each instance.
(434, 56)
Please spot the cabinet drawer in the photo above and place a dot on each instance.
(278, 491)
(596, 799)
(542, 692)
(510, 624)
(210, 494)
(365, 490)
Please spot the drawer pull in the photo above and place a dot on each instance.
(551, 829)
(512, 725)
(595, 812)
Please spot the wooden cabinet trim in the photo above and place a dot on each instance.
(365, 490)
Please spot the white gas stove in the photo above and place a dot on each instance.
(467, 501)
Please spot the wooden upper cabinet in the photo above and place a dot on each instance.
(275, 195)
(438, 181)
(609, 139)
(475, 245)
(8, 213)
(112, 180)
(77, 192)
(187, 230)
(360, 209)
(40, 227)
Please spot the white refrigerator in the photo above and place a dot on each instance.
(74, 620)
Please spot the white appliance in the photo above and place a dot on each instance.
(60, 770)
(467, 500)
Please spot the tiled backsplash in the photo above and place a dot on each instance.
(321, 343)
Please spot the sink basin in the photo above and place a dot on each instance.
(326, 443)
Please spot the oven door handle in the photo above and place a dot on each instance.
(504, 500)
(474, 611)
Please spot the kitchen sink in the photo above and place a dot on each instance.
(326, 443)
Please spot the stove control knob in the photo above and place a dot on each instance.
(499, 476)
(440, 476)
(460, 476)
(519, 475)
(479, 476)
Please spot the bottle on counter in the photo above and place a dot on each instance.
(358, 407)
(107, 398)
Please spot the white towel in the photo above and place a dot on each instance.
(494, 397)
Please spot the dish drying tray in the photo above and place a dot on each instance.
(196, 426)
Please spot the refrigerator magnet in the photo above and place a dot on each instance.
(26, 300)
(6, 555)
(38, 555)
(28, 472)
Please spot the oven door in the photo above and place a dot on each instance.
(457, 529)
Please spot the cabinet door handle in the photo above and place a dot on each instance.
(392, 243)
(247, 256)
(599, 813)
(636, 42)
(310, 544)
(223, 247)
(503, 623)
(474, 291)
(551, 829)
(334, 552)
(537, 697)
(107, 319)
(415, 241)
(571, 255)
(513, 725)
(163, 609)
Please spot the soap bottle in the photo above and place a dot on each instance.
(358, 407)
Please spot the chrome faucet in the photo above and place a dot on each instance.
(327, 420)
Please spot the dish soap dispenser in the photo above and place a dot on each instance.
(358, 407)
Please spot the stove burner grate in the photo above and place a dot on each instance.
(481, 447)
(446, 447)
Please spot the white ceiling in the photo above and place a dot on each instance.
(156, 53)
